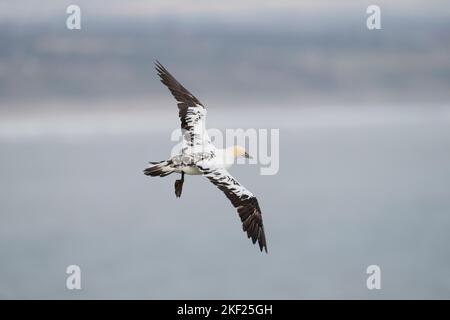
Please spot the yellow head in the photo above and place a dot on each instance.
(238, 152)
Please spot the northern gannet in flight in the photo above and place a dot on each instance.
(199, 156)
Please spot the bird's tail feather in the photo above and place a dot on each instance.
(161, 168)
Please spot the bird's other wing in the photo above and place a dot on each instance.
(191, 111)
(243, 200)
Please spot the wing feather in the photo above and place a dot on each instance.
(191, 111)
(244, 201)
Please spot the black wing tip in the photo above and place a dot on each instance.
(161, 69)
(253, 227)
(259, 237)
(180, 93)
(158, 64)
(262, 243)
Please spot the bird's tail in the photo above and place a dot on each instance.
(161, 168)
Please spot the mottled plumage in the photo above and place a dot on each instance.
(199, 156)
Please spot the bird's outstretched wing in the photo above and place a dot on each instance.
(244, 201)
(191, 111)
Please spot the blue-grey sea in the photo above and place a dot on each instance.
(354, 188)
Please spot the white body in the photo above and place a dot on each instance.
(224, 158)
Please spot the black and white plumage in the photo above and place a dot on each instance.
(191, 111)
(199, 156)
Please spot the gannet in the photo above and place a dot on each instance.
(199, 156)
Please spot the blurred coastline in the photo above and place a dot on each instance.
(293, 54)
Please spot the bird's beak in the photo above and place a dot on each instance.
(246, 155)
